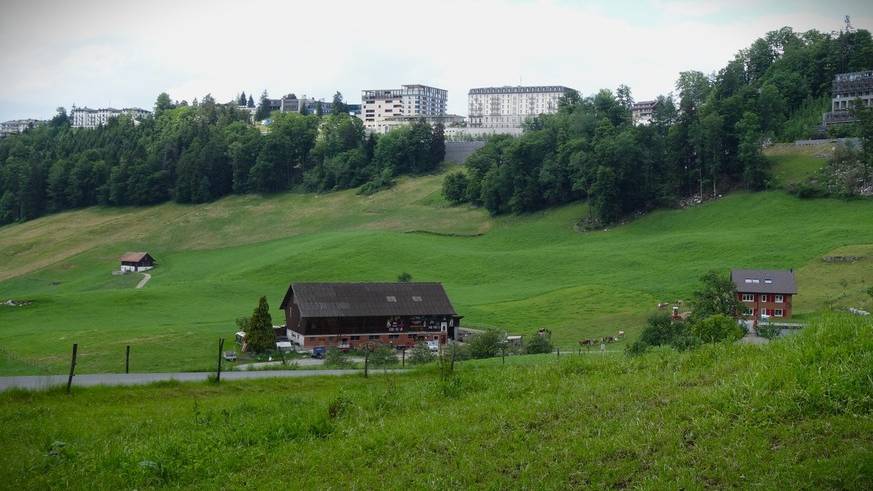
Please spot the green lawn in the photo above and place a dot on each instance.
(517, 272)
(794, 414)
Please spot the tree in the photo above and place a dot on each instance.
(404, 277)
(241, 100)
(260, 336)
(752, 161)
(455, 187)
(539, 344)
(263, 111)
(338, 107)
(251, 102)
(336, 359)
(382, 356)
(661, 329)
(717, 295)
(486, 344)
(163, 103)
(438, 145)
(319, 109)
(421, 354)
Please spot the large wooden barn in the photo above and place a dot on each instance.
(346, 315)
(137, 261)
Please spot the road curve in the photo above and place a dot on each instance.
(42, 382)
(145, 279)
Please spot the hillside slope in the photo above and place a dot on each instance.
(795, 414)
(515, 272)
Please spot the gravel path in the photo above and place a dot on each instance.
(39, 382)
(145, 279)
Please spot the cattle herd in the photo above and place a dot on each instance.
(588, 343)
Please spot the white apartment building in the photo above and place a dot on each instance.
(509, 107)
(17, 126)
(643, 112)
(84, 117)
(382, 109)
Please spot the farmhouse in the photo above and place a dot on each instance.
(137, 261)
(765, 293)
(346, 315)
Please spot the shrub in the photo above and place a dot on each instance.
(455, 187)
(336, 359)
(383, 356)
(685, 342)
(421, 354)
(661, 329)
(636, 348)
(539, 344)
(767, 330)
(717, 328)
(486, 344)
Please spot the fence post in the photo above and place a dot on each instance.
(72, 367)
(127, 359)
(403, 357)
(220, 349)
(366, 361)
(559, 352)
(453, 358)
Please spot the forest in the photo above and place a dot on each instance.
(200, 152)
(704, 140)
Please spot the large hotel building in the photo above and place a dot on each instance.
(383, 109)
(509, 107)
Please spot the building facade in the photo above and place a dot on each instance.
(84, 117)
(347, 315)
(643, 111)
(845, 89)
(17, 126)
(137, 261)
(509, 107)
(765, 294)
(384, 109)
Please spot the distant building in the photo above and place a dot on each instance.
(845, 89)
(347, 315)
(765, 293)
(137, 261)
(643, 111)
(510, 106)
(383, 109)
(17, 126)
(84, 117)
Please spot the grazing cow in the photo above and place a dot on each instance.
(588, 343)
(620, 333)
(662, 305)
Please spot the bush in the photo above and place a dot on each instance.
(485, 345)
(685, 342)
(421, 354)
(767, 330)
(661, 329)
(336, 359)
(539, 344)
(717, 328)
(636, 348)
(383, 356)
(455, 188)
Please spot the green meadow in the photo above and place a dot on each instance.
(517, 273)
(793, 414)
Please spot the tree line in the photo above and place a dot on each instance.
(704, 141)
(200, 152)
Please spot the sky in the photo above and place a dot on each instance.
(123, 53)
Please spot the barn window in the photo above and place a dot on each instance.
(391, 298)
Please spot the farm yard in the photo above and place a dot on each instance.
(518, 273)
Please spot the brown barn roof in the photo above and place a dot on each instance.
(368, 299)
(764, 280)
(134, 257)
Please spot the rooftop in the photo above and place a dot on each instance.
(368, 299)
(764, 280)
(518, 89)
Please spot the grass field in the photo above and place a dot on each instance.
(515, 272)
(794, 414)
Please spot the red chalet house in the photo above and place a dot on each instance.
(346, 315)
(765, 293)
(137, 261)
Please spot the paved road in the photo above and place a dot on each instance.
(145, 279)
(38, 382)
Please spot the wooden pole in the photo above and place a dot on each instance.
(220, 349)
(403, 357)
(559, 352)
(366, 361)
(453, 358)
(72, 367)
(503, 354)
(127, 359)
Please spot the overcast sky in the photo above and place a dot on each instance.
(123, 53)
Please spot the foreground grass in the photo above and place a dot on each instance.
(518, 273)
(795, 414)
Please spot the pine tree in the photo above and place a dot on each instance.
(241, 100)
(251, 102)
(260, 336)
(263, 111)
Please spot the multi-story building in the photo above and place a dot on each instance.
(643, 111)
(845, 89)
(84, 117)
(509, 107)
(765, 294)
(17, 126)
(380, 109)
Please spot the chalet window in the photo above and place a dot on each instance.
(779, 299)
(355, 338)
(763, 297)
(373, 337)
(748, 311)
(768, 281)
(748, 297)
(777, 313)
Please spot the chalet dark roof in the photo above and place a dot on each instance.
(368, 299)
(764, 280)
(134, 257)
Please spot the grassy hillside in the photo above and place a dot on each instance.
(516, 272)
(795, 414)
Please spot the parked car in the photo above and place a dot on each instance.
(230, 355)
(433, 345)
(318, 352)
